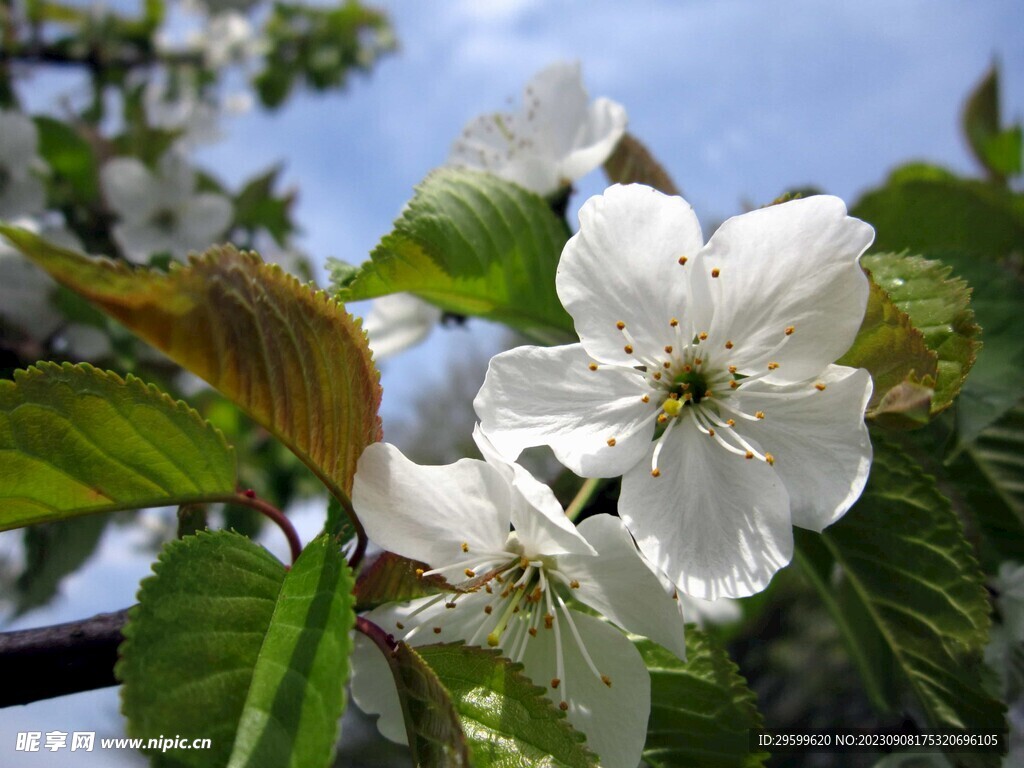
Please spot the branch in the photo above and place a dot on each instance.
(53, 661)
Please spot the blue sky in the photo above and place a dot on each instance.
(739, 100)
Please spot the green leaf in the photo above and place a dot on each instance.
(633, 163)
(225, 644)
(889, 347)
(292, 358)
(477, 245)
(702, 712)
(256, 206)
(928, 210)
(907, 570)
(69, 156)
(75, 440)
(506, 718)
(997, 150)
(989, 475)
(938, 306)
(54, 551)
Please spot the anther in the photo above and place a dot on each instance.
(668, 349)
(711, 433)
(400, 625)
(730, 422)
(772, 366)
(592, 366)
(465, 546)
(574, 584)
(687, 368)
(532, 631)
(606, 680)
(770, 459)
(673, 322)
(732, 369)
(666, 365)
(470, 572)
(716, 272)
(656, 375)
(611, 442)
(620, 325)
(488, 609)
(728, 345)
(419, 573)
(437, 630)
(790, 329)
(748, 455)
(645, 399)
(655, 472)
(733, 384)
(682, 260)
(820, 387)
(662, 418)
(759, 414)
(628, 349)
(698, 361)
(564, 706)
(555, 682)
(449, 605)
(703, 336)
(548, 621)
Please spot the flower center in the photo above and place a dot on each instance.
(519, 596)
(165, 220)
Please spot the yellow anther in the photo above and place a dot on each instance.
(748, 455)
(606, 680)
(820, 387)
(555, 682)
(611, 442)
(656, 375)
(683, 260)
(400, 625)
(668, 349)
(465, 546)
(731, 422)
(662, 418)
(703, 336)
(620, 325)
(666, 365)
(645, 399)
(733, 384)
(687, 368)
(523, 562)
(671, 407)
(770, 459)
(437, 630)
(628, 349)
(698, 361)
(708, 394)
(449, 605)
(732, 369)
(673, 396)
(711, 432)
(487, 588)
(592, 366)
(564, 706)
(470, 572)
(716, 272)
(549, 621)
(673, 322)
(772, 366)
(488, 609)
(759, 415)
(533, 631)
(728, 345)
(419, 573)
(655, 472)
(574, 584)
(790, 329)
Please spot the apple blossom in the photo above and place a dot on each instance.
(21, 190)
(161, 212)
(514, 589)
(704, 376)
(397, 322)
(557, 136)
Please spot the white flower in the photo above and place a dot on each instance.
(397, 322)
(227, 38)
(456, 518)
(181, 108)
(21, 191)
(557, 136)
(726, 348)
(161, 212)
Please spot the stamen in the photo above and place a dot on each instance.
(770, 459)
(592, 366)
(628, 349)
(772, 366)
(620, 325)
(661, 444)
(611, 442)
(790, 329)
(465, 546)
(703, 336)
(716, 272)
(494, 638)
(470, 573)
(682, 260)
(673, 322)
(729, 345)
(820, 387)
(668, 349)
(579, 640)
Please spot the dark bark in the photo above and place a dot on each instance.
(53, 661)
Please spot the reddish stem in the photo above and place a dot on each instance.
(248, 498)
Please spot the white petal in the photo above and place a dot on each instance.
(623, 266)
(705, 612)
(25, 293)
(620, 585)
(397, 322)
(18, 141)
(139, 240)
(427, 513)
(819, 441)
(549, 396)
(555, 105)
(373, 689)
(503, 144)
(596, 140)
(793, 264)
(129, 188)
(536, 513)
(204, 219)
(22, 195)
(613, 719)
(177, 177)
(715, 523)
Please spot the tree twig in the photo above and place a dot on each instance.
(53, 661)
